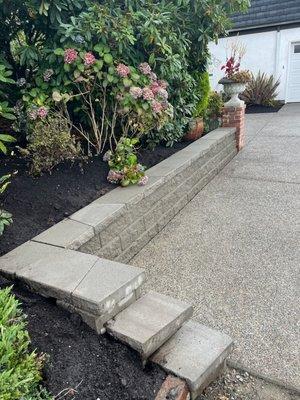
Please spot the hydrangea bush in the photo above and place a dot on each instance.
(102, 99)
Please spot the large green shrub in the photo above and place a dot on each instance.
(20, 369)
(171, 35)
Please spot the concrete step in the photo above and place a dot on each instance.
(149, 322)
(196, 354)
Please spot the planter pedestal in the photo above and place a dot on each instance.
(235, 117)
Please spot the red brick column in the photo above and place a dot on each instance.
(234, 117)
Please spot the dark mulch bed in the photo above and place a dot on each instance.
(257, 109)
(38, 203)
(97, 366)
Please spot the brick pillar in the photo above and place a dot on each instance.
(234, 117)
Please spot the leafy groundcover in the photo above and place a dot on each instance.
(20, 368)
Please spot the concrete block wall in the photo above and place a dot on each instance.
(137, 214)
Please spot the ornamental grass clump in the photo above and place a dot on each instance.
(261, 90)
(123, 162)
(20, 368)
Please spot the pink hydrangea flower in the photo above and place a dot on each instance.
(157, 107)
(143, 181)
(136, 92)
(145, 68)
(70, 56)
(155, 87)
(148, 94)
(114, 176)
(89, 59)
(163, 84)
(123, 70)
(162, 93)
(42, 112)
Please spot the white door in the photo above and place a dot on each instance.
(293, 89)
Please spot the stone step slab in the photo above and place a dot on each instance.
(95, 288)
(196, 354)
(149, 322)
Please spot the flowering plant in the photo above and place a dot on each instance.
(233, 63)
(124, 167)
(110, 99)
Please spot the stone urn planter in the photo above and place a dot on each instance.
(233, 89)
(196, 129)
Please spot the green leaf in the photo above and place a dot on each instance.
(108, 58)
(7, 138)
(3, 148)
(99, 48)
(59, 52)
(80, 67)
(8, 116)
(135, 77)
(127, 82)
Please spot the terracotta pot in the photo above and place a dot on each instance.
(196, 129)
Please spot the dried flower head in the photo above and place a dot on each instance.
(157, 107)
(143, 181)
(148, 94)
(47, 74)
(145, 68)
(123, 70)
(136, 92)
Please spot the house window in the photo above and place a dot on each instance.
(297, 48)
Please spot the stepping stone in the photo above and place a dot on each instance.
(196, 354)
(149, 322)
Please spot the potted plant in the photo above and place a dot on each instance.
(235, 80)
(196, 124)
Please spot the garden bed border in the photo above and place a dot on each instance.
(119, 224)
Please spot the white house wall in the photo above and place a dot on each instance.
(266, 52)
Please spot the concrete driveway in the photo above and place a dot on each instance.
(233, 251)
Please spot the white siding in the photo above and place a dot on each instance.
(266, 52)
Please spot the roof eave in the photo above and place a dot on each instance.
(266, 26)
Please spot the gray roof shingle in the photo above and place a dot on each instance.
(268, 13)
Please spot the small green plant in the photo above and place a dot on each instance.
(123, 162)
(203, 89)
(212, 118)
(5, 217)
(20, 372)
(261, 90)
(50, 143)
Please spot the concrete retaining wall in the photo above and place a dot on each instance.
(118, 225)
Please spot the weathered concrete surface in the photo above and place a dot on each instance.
(196, 354)
(149, 322)
(50, 270)
(233, 251)
(106, 284)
